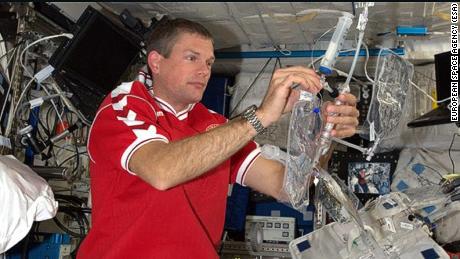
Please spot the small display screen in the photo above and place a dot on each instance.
(371, 178)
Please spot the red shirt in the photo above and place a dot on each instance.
(132, 219)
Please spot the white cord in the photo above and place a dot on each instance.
(21, 96)
(70, 106)
(13, 113)
(7, 91)
(4, 60)
(10, 118)
(429, 96)
(12, 56)
(324, 11)
(355, 59)
(8, 128)
(68, 35)
(54, 104)
(365, 63)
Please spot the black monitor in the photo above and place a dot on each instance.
(442, 70)
(441, 114)
(91, 64)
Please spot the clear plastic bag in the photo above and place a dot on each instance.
(391, 84)
(304, 128)
(341, 203)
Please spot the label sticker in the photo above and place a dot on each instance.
(406, 226)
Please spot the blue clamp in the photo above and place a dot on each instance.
(316, 110)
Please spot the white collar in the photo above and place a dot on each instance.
(182, 115)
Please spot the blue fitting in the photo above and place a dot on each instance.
(325, 70)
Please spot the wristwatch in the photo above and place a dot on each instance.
(250, 115)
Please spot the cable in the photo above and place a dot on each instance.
(450, 156)
(54, 104)
(355, 59)
(365, 63)
(68, 35)
(71, 150)
(70, 106)
(7, 92)
(14, 48)
(279, 62)
(429, 96)
(67, 159)
(33, 77)
(75, 172)
(6, 53)
(434, 170)
(22, 96)
(323, 11)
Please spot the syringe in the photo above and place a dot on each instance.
(325, 69)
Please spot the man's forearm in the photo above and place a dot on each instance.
(184, 160)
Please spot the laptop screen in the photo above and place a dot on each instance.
(441, 114)
(442, 70)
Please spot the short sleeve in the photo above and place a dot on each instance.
(125, 122)
(242, 161)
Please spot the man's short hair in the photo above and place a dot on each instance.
(164, 36)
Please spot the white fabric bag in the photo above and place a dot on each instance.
(25, 197)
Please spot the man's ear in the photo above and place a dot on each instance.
(153, 61)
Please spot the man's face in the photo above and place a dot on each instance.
(182, 77)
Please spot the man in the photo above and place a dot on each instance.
(161, 162)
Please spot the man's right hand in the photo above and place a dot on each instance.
(280, 96)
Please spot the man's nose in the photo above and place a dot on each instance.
(204, 69)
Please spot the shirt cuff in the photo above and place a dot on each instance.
(247, 163)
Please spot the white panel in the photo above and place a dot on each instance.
(236, 24)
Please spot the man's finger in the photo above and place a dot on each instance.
(343, 109)
(348, 99)
(344, 120)
(343, 132)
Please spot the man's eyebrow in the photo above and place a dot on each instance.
(198, 54)
(193, 52)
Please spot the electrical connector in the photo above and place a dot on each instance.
(36, 102)
(43, 74)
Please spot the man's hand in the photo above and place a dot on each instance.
(280, 97)
(346, 119)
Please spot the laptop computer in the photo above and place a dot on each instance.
(441, 114)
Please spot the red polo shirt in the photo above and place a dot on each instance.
(132, 219)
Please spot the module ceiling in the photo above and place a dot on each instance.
(258, 24)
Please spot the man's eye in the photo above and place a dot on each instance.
(191, 58)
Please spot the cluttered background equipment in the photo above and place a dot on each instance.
(390, 191)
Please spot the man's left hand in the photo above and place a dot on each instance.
(346, 118)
